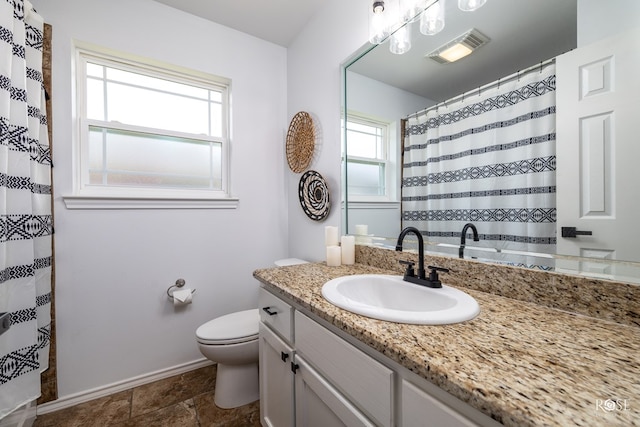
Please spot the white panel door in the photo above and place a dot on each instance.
(598, 150)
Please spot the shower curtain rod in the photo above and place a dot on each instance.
(488, 86)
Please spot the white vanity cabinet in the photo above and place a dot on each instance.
(420, 408)
(276, 380)
(319, 404)
(310, 376)
(276, 356)
(364, 381)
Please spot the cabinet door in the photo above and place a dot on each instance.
(276, 380)
(318, 404)
(358, 376)
(420, 409)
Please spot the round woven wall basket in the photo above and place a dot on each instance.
(300, 142)
(314, 195)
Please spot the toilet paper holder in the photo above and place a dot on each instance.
(179, 283)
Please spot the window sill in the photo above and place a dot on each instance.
(371, 204)
(119, 202)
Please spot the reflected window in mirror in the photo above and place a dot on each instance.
(368, 161)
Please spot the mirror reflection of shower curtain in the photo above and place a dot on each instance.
(25, 207)
(489, 160)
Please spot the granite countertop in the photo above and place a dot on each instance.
(520, 363)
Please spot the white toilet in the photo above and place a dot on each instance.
(232, 342)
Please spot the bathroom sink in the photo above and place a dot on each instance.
(387, 297)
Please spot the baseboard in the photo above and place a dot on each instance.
(85, 396)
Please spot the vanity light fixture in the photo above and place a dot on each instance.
(459, 47)
(400, 41)
(470, 5)
(432, 19)
(379, 28)
(391, 19)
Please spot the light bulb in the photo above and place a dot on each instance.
(470, 5)
(432, 19)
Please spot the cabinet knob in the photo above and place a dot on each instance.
(268, 311)
(284, 356)
(294, 367)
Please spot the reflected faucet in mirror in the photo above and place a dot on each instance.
(463, 237)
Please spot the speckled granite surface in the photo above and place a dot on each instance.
(521, 363)
(604, 299)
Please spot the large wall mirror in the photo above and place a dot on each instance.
(388, 96)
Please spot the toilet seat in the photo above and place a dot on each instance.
(234, 328)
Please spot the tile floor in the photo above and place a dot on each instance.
(181, 401)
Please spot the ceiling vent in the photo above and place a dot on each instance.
(459, 47)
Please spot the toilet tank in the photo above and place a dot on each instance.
(289, 261)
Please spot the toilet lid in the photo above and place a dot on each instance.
(289, 261)
(232, 328)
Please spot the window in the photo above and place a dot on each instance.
(368, 167)
(150, 131)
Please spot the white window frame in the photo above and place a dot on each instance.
(87, 196)
(388, 164)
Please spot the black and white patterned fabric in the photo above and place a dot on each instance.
(25, 206)
(489, 160)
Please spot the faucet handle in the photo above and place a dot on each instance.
(433, 275)
(410, 271)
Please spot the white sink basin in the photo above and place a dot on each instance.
(391, 298)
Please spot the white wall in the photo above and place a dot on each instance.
(314, 60)
(599, 19)
(113, 267)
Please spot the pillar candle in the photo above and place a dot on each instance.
(361, 229)
(348, 249)
(330, 236)
(333, 256)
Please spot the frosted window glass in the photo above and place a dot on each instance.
(146, 160)
(365, 179)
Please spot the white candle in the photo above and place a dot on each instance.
(362, 229)
(333, 256)
(330, 236)
(348, 249)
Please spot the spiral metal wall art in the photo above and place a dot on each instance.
(314, 195)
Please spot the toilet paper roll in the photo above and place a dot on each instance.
(182, 297)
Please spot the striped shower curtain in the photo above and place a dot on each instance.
(25, 206)
(489, 160)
